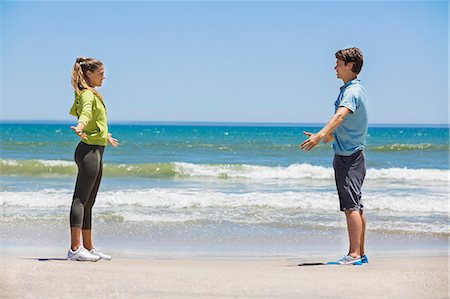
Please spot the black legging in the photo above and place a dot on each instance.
(89, 159)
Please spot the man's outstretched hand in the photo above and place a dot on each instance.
(311, 142)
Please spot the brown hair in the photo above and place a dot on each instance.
(351, 55)
(80, 81)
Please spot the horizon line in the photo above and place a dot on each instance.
(142, 122)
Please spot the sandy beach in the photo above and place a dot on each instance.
(409, 277)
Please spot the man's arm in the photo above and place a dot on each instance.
(328, 138)
(324, 134)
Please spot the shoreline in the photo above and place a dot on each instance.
(122, 239)
(405, 277)
(50, 239)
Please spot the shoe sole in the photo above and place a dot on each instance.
(103, 258)
(350, 264)
(75, 260)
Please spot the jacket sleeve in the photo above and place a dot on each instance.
(86, 102)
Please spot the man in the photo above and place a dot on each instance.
(348, 129)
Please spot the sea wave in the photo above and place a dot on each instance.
(392, 211)
(180, 199)
(215, 171)
(397, 147)
(152, 145)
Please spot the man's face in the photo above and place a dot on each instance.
(343, 71)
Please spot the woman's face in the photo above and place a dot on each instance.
(96, 77)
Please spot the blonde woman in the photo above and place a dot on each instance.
(92, 128)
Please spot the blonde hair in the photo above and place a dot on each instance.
(80, 81)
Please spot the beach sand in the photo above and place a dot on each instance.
(405, 277)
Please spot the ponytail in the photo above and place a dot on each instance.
(80, 81)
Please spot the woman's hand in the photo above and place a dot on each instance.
(113, 141)
(79, 130)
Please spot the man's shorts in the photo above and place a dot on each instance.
(349, 173)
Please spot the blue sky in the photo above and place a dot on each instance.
(225, 61)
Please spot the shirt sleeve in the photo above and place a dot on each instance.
(349, 100)
(86, 102)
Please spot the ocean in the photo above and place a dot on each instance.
(224, 189)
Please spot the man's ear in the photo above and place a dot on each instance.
(350, 65)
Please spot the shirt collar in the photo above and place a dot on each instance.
(354, 81)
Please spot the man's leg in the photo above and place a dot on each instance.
(349, 176)
(363, 233)
(354, 227)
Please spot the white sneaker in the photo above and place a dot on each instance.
(81, 254)
(95, 252)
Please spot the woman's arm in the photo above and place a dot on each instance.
(79, 130)
(113, 141)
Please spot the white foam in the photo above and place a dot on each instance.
(43, 198)
(304, 171)
(179, 199)
(9, 162)
(408, 174)
(294, 171)
(54, 163)
(49, 163)
(393, 211)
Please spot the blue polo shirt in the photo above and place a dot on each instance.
(350, 136)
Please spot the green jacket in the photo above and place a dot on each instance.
(91, 111)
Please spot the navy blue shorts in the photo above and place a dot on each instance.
(349, 173)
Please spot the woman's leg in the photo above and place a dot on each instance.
(75, 241)
(88, 161)
(87, 238)
(87, 220)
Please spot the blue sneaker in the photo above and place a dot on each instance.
(364, 259)
(347, 260)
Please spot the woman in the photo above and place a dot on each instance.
(92, 128)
